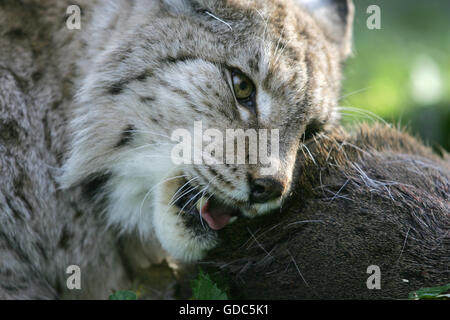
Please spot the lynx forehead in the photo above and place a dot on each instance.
(156, 66)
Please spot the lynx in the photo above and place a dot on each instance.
(87, 117)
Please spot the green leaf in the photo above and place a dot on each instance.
(123, 295)
(203, 288)
(436, 293)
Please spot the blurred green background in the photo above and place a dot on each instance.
(402, 71)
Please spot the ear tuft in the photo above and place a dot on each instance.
(336, 19)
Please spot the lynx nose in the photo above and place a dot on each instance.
(265, 189)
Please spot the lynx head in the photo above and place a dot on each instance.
(246, 66)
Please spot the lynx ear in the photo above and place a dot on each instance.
(336, 19)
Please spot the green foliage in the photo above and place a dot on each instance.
(203, 288)
(433, 293)
(123, 295)
(402, 71)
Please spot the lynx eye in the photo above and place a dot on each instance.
(243, 87)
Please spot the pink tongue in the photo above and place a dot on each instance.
(217, 218)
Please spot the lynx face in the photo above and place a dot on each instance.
(231, 64)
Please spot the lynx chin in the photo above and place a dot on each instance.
(153, 66)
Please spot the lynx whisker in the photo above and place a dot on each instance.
(353, 93)
(190, 200)
(309, 153)
(181, 188)
(171, 203)
(153, 188)
(220, 20)
(303, 222)
(363, 112)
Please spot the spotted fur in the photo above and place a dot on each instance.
(136, 71)
(163, 70)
